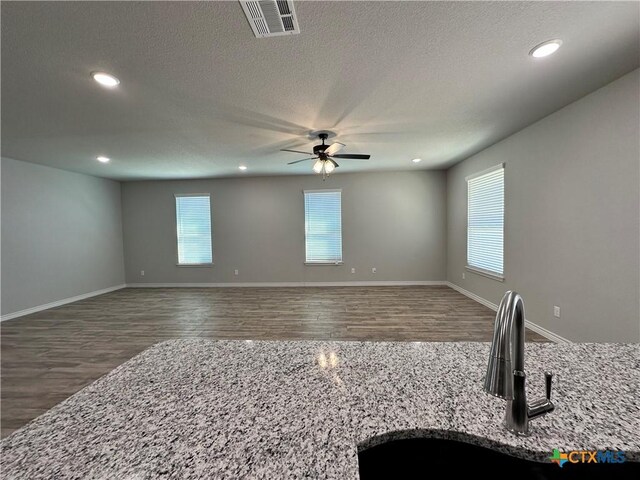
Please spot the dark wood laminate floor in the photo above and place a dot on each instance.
(50, 355)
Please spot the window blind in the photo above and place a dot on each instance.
(485, 222)
(193, 220)
(323, 226)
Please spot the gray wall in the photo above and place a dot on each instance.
(61, 235)
(572, 217)
(393, 221)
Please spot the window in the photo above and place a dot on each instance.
(193, 222)
(323, 226)
(485, 222)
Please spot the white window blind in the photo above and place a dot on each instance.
(485, 222)
(323, 226)
(193, 221)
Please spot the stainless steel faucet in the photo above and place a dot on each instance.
(505, 372)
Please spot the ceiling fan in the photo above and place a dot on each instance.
(325, 155)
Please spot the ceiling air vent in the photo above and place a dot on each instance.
(271, 18)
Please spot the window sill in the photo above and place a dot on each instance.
(324, 263)
(196, 265)
(485, 273)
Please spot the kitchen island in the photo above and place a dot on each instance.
(258, 409)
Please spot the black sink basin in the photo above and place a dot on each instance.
(423, 457)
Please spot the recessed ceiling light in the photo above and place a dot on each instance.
(416, 160)
(102, 159)
(105, 79)
(545, 48)
(242, 167)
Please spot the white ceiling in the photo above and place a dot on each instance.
(201, 95)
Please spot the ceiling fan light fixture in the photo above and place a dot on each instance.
(329, 166)
(317, 167)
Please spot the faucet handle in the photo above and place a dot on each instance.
(544, 405)
(548, 378)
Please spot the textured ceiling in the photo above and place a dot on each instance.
(201, 95)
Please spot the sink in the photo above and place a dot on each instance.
(420, 457)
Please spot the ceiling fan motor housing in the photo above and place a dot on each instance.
(318, 149)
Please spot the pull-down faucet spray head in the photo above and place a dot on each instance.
(499, 378)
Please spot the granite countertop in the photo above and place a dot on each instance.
(237, 409)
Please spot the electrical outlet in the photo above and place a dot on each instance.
(142, 273)
(463, 275)
(556, 311)
(353, 270)
(235, 272)
(373, 270)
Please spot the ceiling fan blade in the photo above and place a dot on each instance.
(353, 156)
(303, 160)
(295, 151)
(334, 148)
(334, 162)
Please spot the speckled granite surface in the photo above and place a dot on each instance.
(206, 409)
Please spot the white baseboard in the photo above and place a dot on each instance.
(554, 337)
(58, 303)
(381, 283)
(473, 296)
